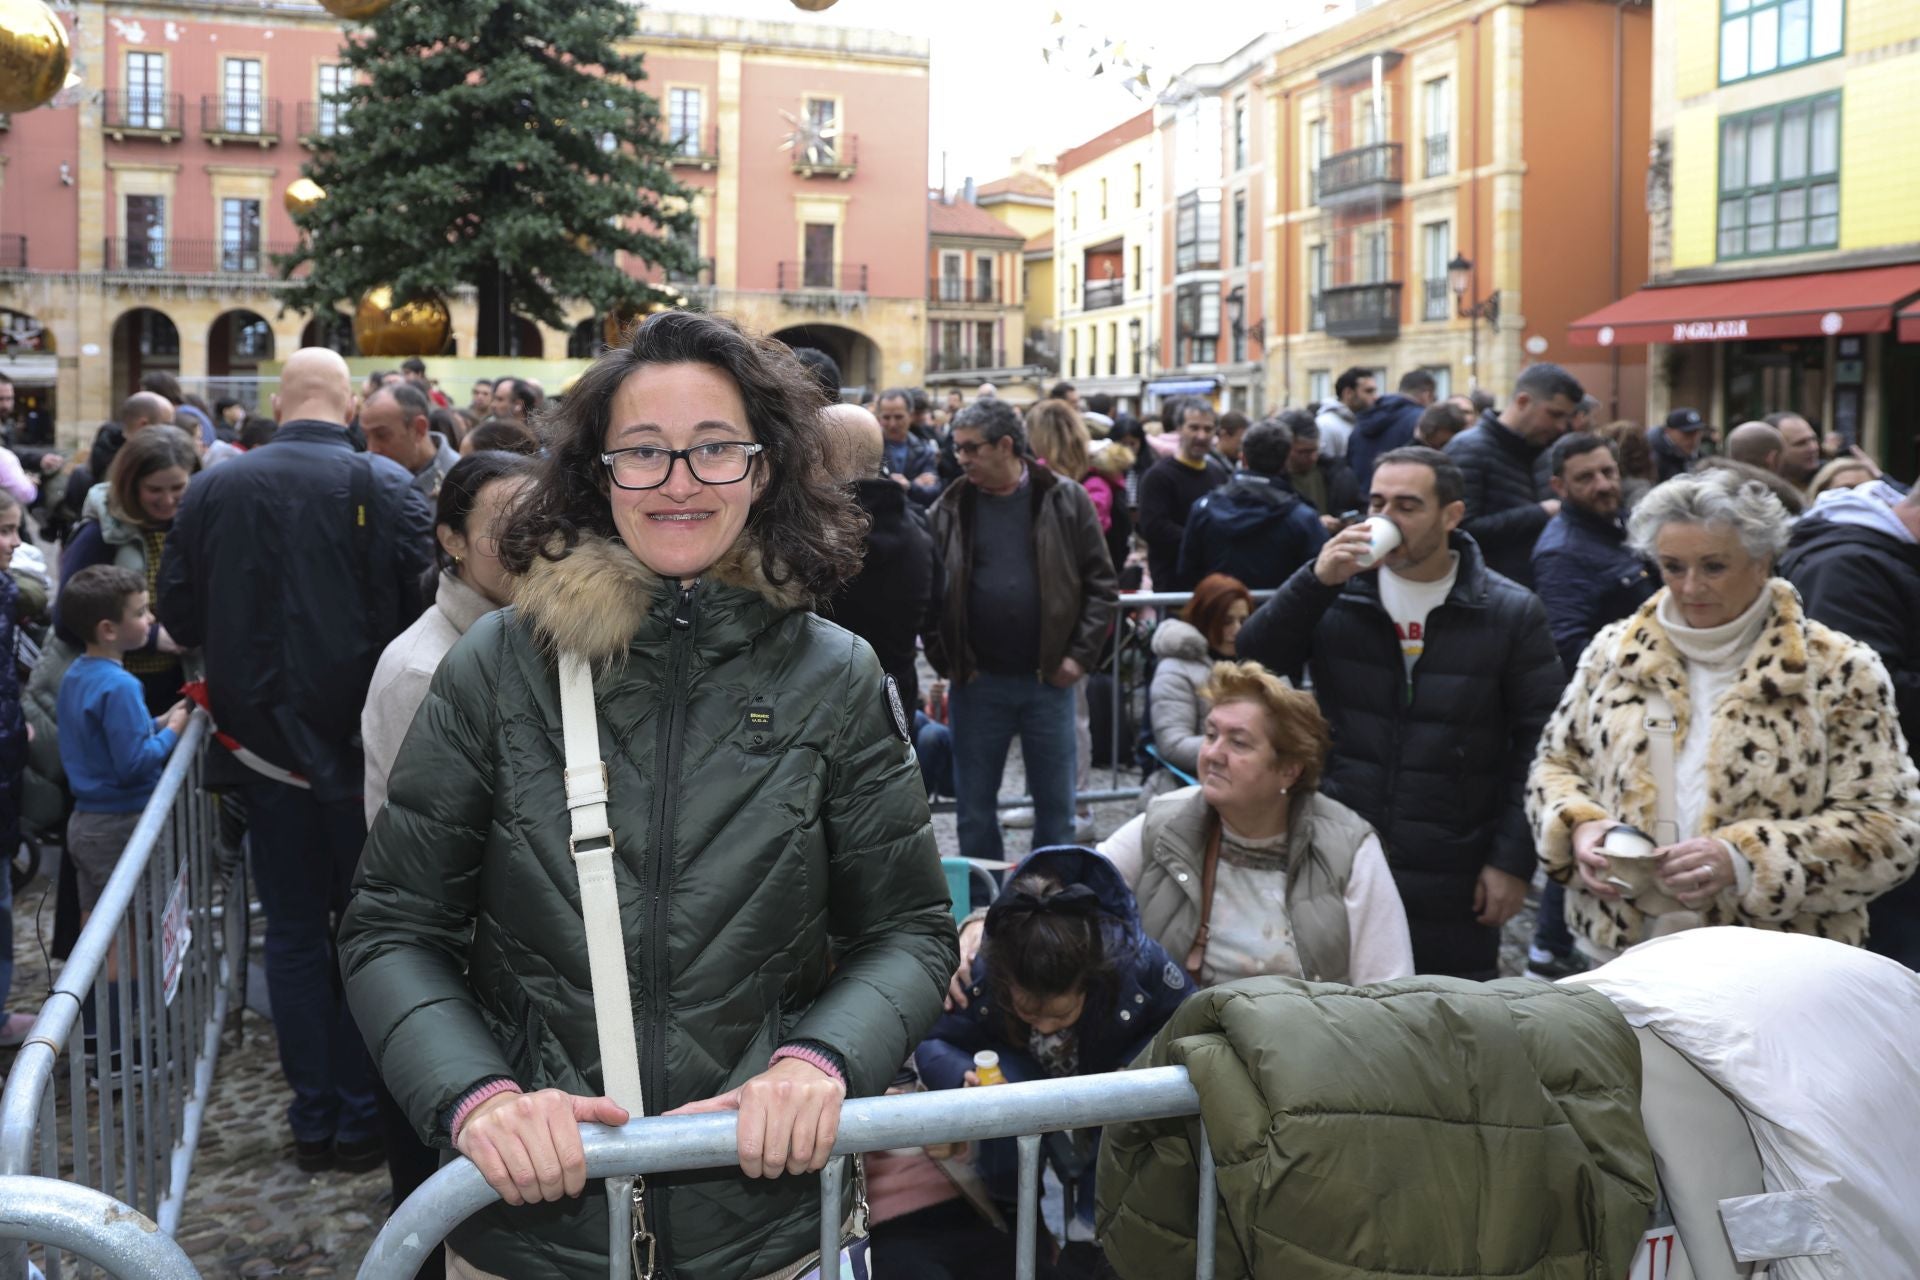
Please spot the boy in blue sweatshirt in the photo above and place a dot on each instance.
(113, 751)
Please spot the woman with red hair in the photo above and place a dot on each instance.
(1186, 648)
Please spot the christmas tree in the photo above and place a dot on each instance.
(500, 144)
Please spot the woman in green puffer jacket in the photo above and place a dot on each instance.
(785, 916)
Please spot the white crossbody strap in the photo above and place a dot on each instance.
(592, 848)
(1661, 727)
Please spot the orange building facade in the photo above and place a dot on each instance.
(1503, 140)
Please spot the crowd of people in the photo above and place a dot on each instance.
(1495, 640)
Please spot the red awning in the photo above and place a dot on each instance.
(1910, 324)
(1805, 306)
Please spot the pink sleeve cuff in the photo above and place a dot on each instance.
(809, 1057)
(491, 1089)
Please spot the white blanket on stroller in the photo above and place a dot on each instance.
(1819, 1043)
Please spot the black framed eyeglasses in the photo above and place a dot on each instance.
(648, 466)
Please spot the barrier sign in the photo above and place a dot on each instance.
(175, 935)
(1654, 1261)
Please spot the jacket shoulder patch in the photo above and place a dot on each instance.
(901, 725)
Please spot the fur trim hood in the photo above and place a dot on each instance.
(595, 599)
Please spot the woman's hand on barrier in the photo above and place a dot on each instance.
(789, 1118)
(1696, 871)
(527, 1145)
(970, 934)
(1589, 863)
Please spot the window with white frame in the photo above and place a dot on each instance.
(330, 119)
(146, 91)
(242, 99)
(1319, 385)
(1437, 111)
(240, 235)
(952, 276)
(684, 117)
(1436, 250)
(1317, 286)
(1442, 380)
(1239, 228)
(1239, 134)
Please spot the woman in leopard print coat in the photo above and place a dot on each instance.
(1797, 801)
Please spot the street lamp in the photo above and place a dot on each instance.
(1460, 280)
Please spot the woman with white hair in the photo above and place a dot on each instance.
(1758, 749)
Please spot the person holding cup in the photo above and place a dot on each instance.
(1436, 675)
(1757, 751)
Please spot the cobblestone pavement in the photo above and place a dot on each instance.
(251, 1214)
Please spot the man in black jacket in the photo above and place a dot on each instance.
(1169, 490)
(1391, 422)
(1436, 676)
(292, 567)
(1253, 528)
(1327, 485)
(1505, 512)
(1855, 559)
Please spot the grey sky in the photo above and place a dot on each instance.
(993, 95)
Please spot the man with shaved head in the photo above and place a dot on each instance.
(141, 409)
(292, 567)
(890, 603)
(1758, 444)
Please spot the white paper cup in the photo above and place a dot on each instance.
(1385, 536)
(1635, 872)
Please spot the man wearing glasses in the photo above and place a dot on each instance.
(1030, 595)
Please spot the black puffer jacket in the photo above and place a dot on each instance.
(898, 592)
(271, 572)
(1438, 768)
(1504, 514)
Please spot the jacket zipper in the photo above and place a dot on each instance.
(665, 813)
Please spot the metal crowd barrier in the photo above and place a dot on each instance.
(664, 1144)
(121, 1116)
(120, 1240)
(1132, 643)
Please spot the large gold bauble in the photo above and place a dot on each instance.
(303, 195)
(417, 329)
(355, 10)
(813, 6)
(34, 56)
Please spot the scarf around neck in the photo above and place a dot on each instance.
(1721, 648)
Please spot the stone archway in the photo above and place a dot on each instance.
(333, 331)
(238, 343)
(525, 340)
(144, 339)
(585, 339)
(858, 356)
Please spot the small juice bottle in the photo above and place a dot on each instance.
(986, 1066)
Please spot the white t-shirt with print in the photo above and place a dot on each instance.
(1408, 603)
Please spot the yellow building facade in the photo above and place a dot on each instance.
(1785, 236)
(1105, 220)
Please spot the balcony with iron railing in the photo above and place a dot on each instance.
(1363, 312)
(961, 291)
(823, 277)
(826, 158)
(1365, 175)
(697, 149)
(1437, 299)
(13, 252)
(158, 116)
(320, 120)
(1100, 294)
(240, 120)
(192, 257)
(1439, 155)
(960, 361)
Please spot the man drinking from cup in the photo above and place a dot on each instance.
(1436, 675)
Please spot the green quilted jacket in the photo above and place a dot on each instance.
(778, 882)
(1416, 1129)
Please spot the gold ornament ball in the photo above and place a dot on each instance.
(355, 10)
(381, 329)
(813, 6)
(33, 54)
(303, 194)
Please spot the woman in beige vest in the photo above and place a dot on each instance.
(1299, 883)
